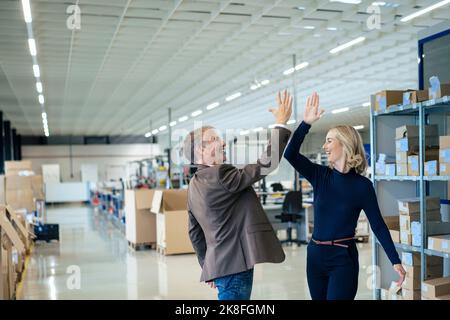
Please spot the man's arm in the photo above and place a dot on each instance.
(236, 180)
(197, 238)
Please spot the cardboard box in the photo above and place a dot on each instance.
(407, 144)
(413, 272)
(413, 259)
(411, 294)
(384, 294)
(412, 205)
(413, 165)
(395, 235)
(431, 168)
(17, 166)
(380, 168)
(140, 227)
(444, 155)
(444, 142)
(402, 157)
(21, 199)
(392, 222)
(387, 98)
(37, 185)
(439, 243)
(444, 169)
(413, 131)
(2, 189)
(18, 183)
(439, 91)
(172, 221)
(390, 169)
(436, 287)
(414, 96)
(402, 169)
(405, 237)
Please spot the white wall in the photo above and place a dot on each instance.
(102, 155)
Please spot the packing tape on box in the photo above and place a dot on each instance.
(444, 245)
(381, 102)
(424, 288)
(431, 243)
(445, 153)
(443, 168)
(414, 164)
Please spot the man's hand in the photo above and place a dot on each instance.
(312, 113)
(283, 113)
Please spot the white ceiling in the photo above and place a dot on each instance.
(133, 59)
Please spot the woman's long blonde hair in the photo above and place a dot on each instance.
(353, 147)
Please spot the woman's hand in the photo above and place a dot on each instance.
(283, 113)
(401, 272)
(312, 113)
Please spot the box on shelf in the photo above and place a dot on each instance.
(444, 155)
(414, 96)
(412, 205)
(407, 144)
(431, 168)
(170, 207)
(444, 169)
(387, 98)
(436, 287)
(380, 168)
(402, 156)
(390, 169)
(411, 294)
(432, 271)
(393, 225)
(444, 142)
(439, 91)
(413, 259)
(13, 168)
(140, 227)
(439, 243)
(413, 131)
(395, 235)
(413, 165)
(402, 169)
(405, 237)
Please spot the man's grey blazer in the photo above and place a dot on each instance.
(228, 227)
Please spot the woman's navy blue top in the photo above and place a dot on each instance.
(339, 198)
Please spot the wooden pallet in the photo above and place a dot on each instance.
(142, 246)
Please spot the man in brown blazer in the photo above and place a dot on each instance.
(228, 227)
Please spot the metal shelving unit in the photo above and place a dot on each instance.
(391, 188)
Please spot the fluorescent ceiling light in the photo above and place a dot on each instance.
(233, 96)
(425, 10)
(358, 127)
(316, 35)
(26, 11)
(258, 129)
(366, 104)
(331, 28)
(290, 121)
(340, 110)
(288, 71)
(301, 66)
(39, 87)
(265, 82)
(148, 134)
(244, 132)
(196, 113)
(155, 131)
(309, 27)
(32, 46)
(44, 115)
(172, 123)
(162, 128)
(348, 44)
(379, 3)
(41, 99)
(254, 86)
(301, 8)
(347, 1)
(212, 105)
(36, 70)
(182, 119)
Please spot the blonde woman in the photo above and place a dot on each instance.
(340, 193)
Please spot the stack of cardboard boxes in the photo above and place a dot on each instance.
(436, 289)
(409, 211)
(444, 156)
(407, 150)
(19, 187)
(411, 263)
(440, 243)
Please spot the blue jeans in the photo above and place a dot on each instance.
(235, 286)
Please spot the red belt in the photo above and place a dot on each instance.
(333, 242)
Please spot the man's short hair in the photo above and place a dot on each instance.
(193, 139)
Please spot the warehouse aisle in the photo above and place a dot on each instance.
(92, 245)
